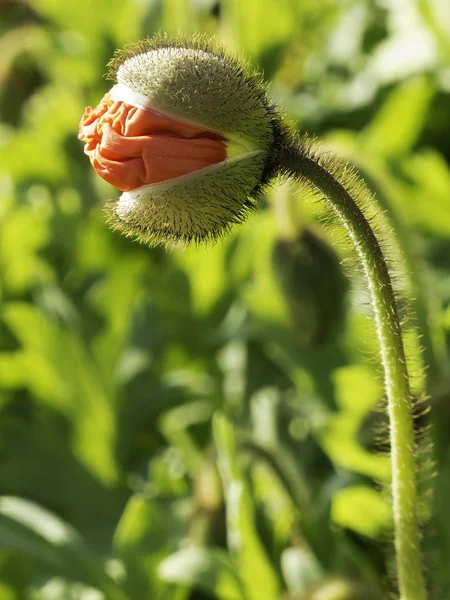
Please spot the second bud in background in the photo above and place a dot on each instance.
(312, 280)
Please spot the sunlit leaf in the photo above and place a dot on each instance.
(362, 509)
(398, 124)
(254, 568)
(207, 569)
(34, 531)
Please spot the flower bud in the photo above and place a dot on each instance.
(314, 285)
(186, 133)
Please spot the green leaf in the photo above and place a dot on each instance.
(174, 425)
(206, 568)
(60, 371)
(357, 391)
(397, 126)
(52, 543)
(35, 456)
(426, 193)
(141, 541)
(362, 509)
(300, 569)
(22, 268)
(258, 575)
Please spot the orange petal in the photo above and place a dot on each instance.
(130, 147)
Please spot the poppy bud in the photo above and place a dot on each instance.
(186, 134)
(312, 281)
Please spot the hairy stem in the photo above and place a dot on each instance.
(407, 540)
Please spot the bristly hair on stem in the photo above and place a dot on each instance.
(347, 197)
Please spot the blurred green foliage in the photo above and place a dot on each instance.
(162, 433)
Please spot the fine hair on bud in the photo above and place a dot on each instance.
(196, 83)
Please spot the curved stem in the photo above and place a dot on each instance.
(432, 339)
(407, 540)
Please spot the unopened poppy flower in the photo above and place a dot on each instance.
(191, 138)
(186, 134)
(131, 147)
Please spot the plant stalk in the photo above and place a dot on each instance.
(404, 490)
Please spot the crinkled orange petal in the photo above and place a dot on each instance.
(130, 147)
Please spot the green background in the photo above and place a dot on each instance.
(129, 374)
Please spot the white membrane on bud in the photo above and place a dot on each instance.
(127, 197)
(167, 81)
(122, 93)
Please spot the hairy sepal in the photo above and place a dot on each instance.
(195, 208)
(199, 82)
